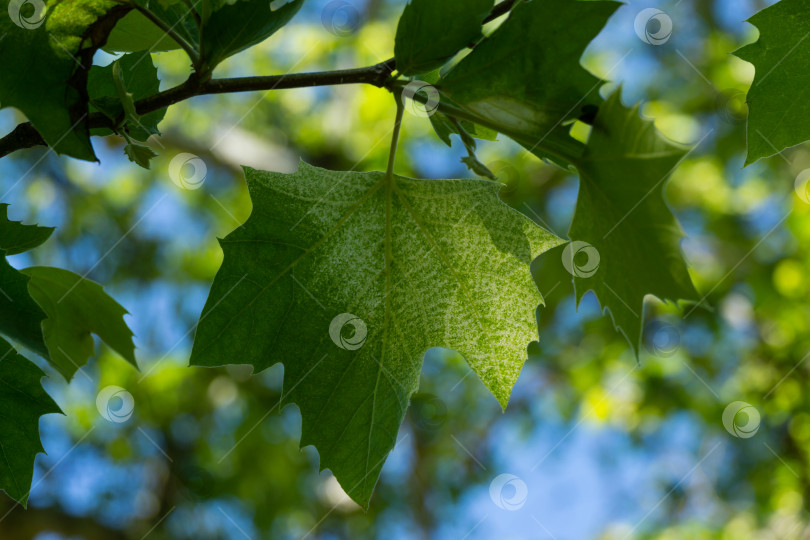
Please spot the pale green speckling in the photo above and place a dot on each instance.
(424, 263)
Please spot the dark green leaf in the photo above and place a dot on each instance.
(408, 264)
(76, 308)
(430, 32)
(778, 109)
(20, 317)
(16, 237)
(235, 27)
(136, 79)
(526, 80)
(621, 212)
(139, 154)
(135, 32)
(23, 401)
(45, 67)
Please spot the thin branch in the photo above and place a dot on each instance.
(26, 136)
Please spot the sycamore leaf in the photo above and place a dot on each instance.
(429, 33)
(778, 109)
(348, 280)
(621, 213)
(23, 401)
(526, 80)
(234, 27)
(45, 57)
(20, 316)
(134, 32)
(76, 308)
(139, 154)
(114, 89)
(16, 238)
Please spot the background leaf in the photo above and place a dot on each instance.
(779, 112)
(429, 33)
(529, 83)
(622, 213)
(51, 91)
(23, 401)
(76, 308)
(16, 238)
(20, 316)
(139, 78)
(235, 27)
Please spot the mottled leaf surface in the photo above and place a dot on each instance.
(348, 280)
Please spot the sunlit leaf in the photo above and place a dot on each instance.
(348, 280)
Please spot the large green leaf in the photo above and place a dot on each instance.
(23, 401)
(20, 317)
(16, 238)
(430, 32)
(76, 308)
(407, 264)
(242, 24)
(45, 65)
(525, 80)
(778, 108)
(621, 212)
